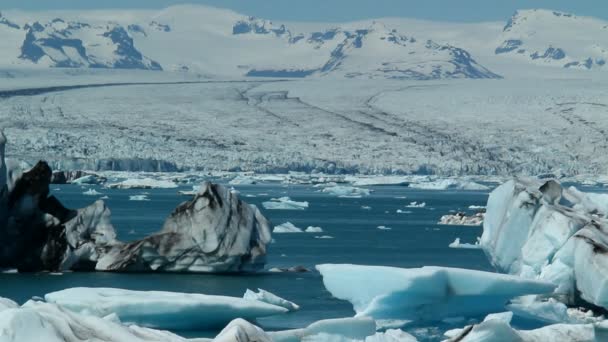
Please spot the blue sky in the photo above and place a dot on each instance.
(344, 10)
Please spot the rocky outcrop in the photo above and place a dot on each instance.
(214, 232)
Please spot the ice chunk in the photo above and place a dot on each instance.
(242, 180)
(92, 192)
(88, 179)
(143, 183)
(498, 328)
(458, 244)
(449, 184)
(427, 293)
(239, 330)
(416, 205)
(139, 198)
(340, 329)
(384, 228)
(312, 229)
(286, 227)
(324, 237)
(346, 191)
(158, 309)
(462, 219)
(477, 207)
(267, 297)
(378, 180)
(284, 203)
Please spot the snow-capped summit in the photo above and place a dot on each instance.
(553, 38)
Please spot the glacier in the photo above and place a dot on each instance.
(187, 311)
(424, 294)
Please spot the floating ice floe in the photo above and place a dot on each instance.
(416, 205)
(458, 244)
(425, 294)
(399, 211)
(551, 311)
(477, 207)
(242, 180)
(92, 192)
(378, 180)
(287, 227)
(155, 309)
(311, 229)
(366, 207)
(270, 298)
(139, 198)
(346, 191)
(462, 219)
(497, 327)
(284, 203)
(88, 179)
(384, 228)
(539, 230)
(449, 184)
(143, 183)
(324, 237)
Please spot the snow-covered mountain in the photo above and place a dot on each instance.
(181, 38)
(553, 38)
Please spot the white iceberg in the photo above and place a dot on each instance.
(497, 327)
(284, 203)
(477, 207)
(312, 229)
(427, 293)
(416, 205)
(39, 321)
(153, 308)
(242, 180)
(92, 192)
(139, 198)
(346, 191)
(384, 228)
(462, 219)
(378, 180)
(270, 298)
(340, 329)
(458, 244)
(541, 231)
(324, 237)
(286, 227)
(88, 179)
(449, 184)
(143, 183)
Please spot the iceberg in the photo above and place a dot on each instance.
(143, 183)
(449, 184)
(462, 219)
(213, 232)
(139, 198)
(92, 192)
(88, 180)
(424, 294)
(339, 329)
(267, 297)
(539, 230)
(163, 310)
(284, 203)
(312, 229)
(416, 205)
(242, 180)
(497, 327)
(286, 227)
(346, 191)
(384, 228)
(39, 321)
(458, 244)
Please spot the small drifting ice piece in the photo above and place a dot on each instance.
(139, 198)
(312, 229)
(155, 309)
(449, 184)
(143, 183)
(427, 293)
(88, 179)
(286, 227)
(497, 327)
(346, 191)
(92, 192)
(284, 203)
(267, 297)
(242, 180)
(458, 244)
(384, 228)
(416, 205)
(462, 219)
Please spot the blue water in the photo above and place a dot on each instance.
(415, 240)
